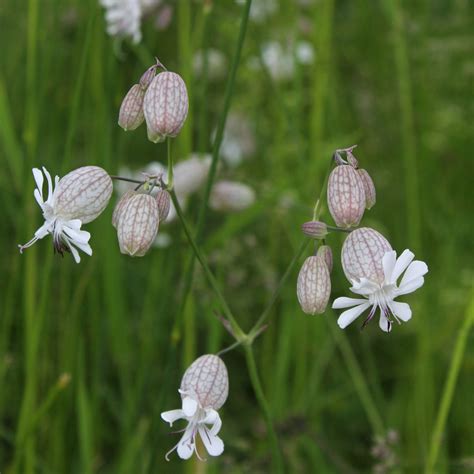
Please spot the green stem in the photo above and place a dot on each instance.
(277, 460)
(255, 329)
(449, 387)
(238, 333)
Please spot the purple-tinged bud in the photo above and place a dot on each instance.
(131, 111)
(165, 106)
(352, 160)
(83, 194)
(120, 205)
(164, 203)
(362, 254)
(314, 285)
(206, 380)
(325, 252)
(346, 197)
(138, 225)
(231, 196)
(315, 229)
(369, 188)
(147, 77)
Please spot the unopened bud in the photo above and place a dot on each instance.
(369, 188)
(165, 106)
(147, 77)
(315, 229)
(231, 196)
(131, 111)
(206, 380)
(325, 252)
(346, 196)
(362, 254)
(314, 285)
(83, 194)
(164, 202)
(137, 225)
(120, 205)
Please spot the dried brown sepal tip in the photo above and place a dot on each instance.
(315, 229)
(314, 285)
(325, 252)
(346, 196)
(137, 225)
(131, 111)
(369, 188)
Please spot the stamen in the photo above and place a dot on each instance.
(28, 244)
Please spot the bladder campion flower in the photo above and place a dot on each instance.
(204, 389)
(76, 199)
(315, 229)
(314, 285)
(325, 252)
(373, 269)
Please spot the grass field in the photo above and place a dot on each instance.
(91, 354)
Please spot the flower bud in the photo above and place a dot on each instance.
(369, 188)
(131, 111)
(165, 106)
(314, 285)
(83, 194)
(164, 202)
(346, 197)
(148, 76)
(315, 229)
(207, 381)
(325, 252)
(351, 159)
(231, 196)
(362, 254)
(137, 225)
(120, 205)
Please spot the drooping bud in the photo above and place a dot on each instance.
(206, 380)
(165, 106)
(314, 285)
(231, 196)
(148, 76)
(362, 254)
(120, 205)
(346, 197)
(315, 229)
(325, 252)
(131, 111)
(369, 188)
(83, 194)
(137, 225)
(164, 202)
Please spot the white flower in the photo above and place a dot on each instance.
(76, 199)
(382, 295)
(123, 18)
(204, 389)
(198, 419)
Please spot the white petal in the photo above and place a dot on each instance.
(415, 270)
(350, 315)
(44, 230)
(50, 185)
(388, 264)
(344, 302)
(172, 415)
(78, 236)
(39, 180)
(213, 418)
(39, 198)
(73, 250)
(410, 287)
(213, 444)
(401, 310)
(364, 287)
(402, 263)
(384, 323)
(189, 406)
(187, 444)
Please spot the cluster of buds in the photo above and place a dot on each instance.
(368, 260)
(159, 99)
(136, 217)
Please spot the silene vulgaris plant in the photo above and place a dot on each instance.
(376, 276)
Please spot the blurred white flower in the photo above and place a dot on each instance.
(304, 52)
(382, 294)
(261, 10)
(204, 389)
(231, 196)
(238, 142)
(77, 198)
(216, 64)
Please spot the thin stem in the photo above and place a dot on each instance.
(277, 291)
(129, 180)
(449, 387)
(238, 333)
(229, 348)
(277, 460)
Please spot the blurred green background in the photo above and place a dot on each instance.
(91, 354)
